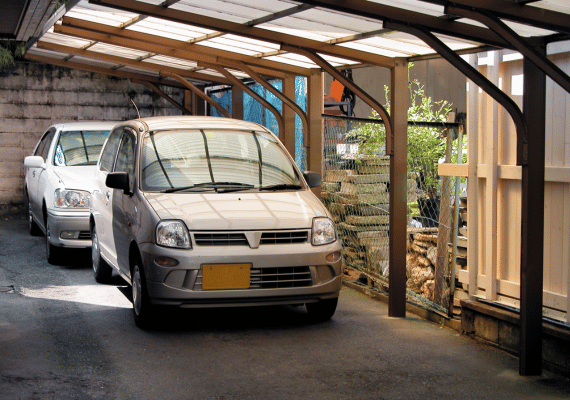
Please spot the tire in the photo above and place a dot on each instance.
(143, 310)
(53, 253)
(33, 227)
(322, 310)
(101, 270)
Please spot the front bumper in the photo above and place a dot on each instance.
(75, 223)
(181, 285)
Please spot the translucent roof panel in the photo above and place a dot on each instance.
(562, 6)
(239, 45)
(64, 40)
(414, 5)
(118, 51)
(171, 62)
(337, 36)
(169, 29)
(102, 15)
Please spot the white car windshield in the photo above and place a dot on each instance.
(200, 160)
(79, 147)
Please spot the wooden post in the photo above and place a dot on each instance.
(398, 189)
(532, 235)
(315, 110)
(288, 138)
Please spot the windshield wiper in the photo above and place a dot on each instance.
(281, 186)
(225, 186)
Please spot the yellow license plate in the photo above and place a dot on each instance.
(225, 276)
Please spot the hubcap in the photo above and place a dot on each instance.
(137, 290)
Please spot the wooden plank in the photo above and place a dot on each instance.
(448, 169)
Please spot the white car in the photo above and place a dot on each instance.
(58, 183)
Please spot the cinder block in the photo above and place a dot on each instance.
(509, 337)
(11, 111)
(11, 170)
(11, 96)
(64, 98)
(9, 140)
(486, 328)
(90, 113)
(37, 111)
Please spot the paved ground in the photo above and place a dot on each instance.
(62, 336)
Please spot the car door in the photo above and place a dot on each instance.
(37, 176)
(123, 208)
(102, 198)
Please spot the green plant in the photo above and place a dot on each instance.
(426, 145)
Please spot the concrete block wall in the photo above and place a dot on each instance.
(34, 96)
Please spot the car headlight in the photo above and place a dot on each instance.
(323, 232)
(64, 198)
(173, 234)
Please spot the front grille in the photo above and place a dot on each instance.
(84, 235)
(220, 239)
(285, 237)
(240, 239)
(274, 278)
(280, 277)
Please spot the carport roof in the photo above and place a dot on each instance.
(144, 39)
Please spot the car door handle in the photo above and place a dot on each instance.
(107, 197)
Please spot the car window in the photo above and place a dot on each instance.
(110, 150)
(79, 147)
(181, 158)
(126, 155)
(43, 147)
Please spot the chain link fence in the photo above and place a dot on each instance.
(356, 188)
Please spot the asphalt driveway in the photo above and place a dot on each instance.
(62, 336)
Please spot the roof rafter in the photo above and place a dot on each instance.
(245, 30)
(434, 24)
(171, 47)
(102, 70)
(516, 12)
(206, 78)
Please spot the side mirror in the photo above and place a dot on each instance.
(313, 179)
(34, 162)
(118, 180)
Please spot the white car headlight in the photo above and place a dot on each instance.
(323, 232)
(64, 198)
(173, 234)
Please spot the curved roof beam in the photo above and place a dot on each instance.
(349, 83)
(198, 92)
(463, 66)
(287, 101)
(498, 26)
(248, 90)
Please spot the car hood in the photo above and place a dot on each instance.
(239, 210)
(77, 177)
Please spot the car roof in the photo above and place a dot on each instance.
(86, 125)
(195, 122)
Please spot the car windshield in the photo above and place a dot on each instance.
(207, 160)
(79, 147)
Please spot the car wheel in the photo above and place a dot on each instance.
(101, 270)
(53, 253)
(143, 310)
(33, 228)
(322, 310)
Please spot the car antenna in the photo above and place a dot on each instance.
(136, 108)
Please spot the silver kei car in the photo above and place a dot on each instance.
(211, 212)
(59, 176)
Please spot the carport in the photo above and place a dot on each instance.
(194, 46)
